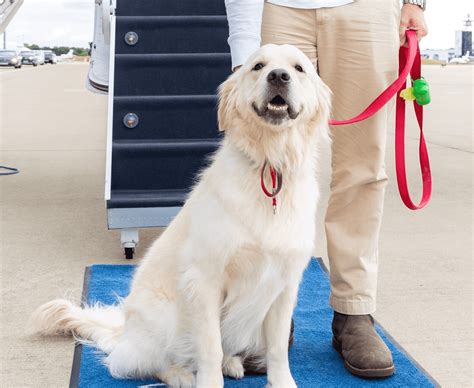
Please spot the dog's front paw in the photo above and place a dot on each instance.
(205, 380)
(281, 382)
(234, 368)
(177, 377)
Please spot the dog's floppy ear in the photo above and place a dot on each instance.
(226, 102)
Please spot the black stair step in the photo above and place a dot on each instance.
(169, 74)
(170, 7)
(166, 117)
(173, 34)
(167, 146)
(146, 198)
(158, 165)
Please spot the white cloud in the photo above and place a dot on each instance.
(71, 22)
(53, 23)
(443, 19)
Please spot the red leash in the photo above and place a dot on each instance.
(409, 64)
(277, 182)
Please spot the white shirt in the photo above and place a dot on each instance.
(245, 20)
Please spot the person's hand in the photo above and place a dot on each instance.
(412, 18)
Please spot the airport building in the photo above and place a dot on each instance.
(463, 43)
(463, 39)
(444, 55)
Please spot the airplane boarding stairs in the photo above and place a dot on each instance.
(168, 58)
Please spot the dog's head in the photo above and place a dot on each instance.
(276, 89)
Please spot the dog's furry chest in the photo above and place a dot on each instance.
(252, 271)
(252, 283)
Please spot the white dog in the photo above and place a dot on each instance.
(221, 282)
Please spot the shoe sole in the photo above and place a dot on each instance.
(366, 373)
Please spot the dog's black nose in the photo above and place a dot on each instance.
(278, 77)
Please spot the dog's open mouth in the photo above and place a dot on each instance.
(276, 110)
(277, 103)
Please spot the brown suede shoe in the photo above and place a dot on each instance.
(254, 366)
(363, 351)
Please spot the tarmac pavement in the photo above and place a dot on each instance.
(53, 222)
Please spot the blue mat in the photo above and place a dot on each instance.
(314, 363)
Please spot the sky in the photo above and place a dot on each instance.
(71, 22)
(53, 23)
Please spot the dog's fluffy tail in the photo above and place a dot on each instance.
(101, 325)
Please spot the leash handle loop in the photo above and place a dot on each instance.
(411, 57)
(409, 63)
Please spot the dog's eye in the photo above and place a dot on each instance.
(258, 66)
(299, 68)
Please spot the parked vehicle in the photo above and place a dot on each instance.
(10, 58)
(66, 57)
(29, 58)
(40, 55)
(50, 57)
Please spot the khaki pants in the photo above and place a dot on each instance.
(355, 48)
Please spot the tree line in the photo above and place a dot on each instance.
(58, 50)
